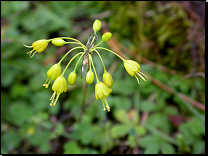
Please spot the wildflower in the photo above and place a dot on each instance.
(59, 86)
(58, 42)
(38, 46)
(107, 36)
(52, 74)
(107, 79)
(90, 77)
(101, 92)
(72, 78)
(133, 68)
(96, 25)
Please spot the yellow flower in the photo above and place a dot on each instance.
(90, 77)
(53, 73)
(59, 86)
(96, 25)
(107, 36)
(72, 78)
(58, 42)
(133, 68)
(38, 46)
(101, 92)
(107, 79)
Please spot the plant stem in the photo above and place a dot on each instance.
(68, 53)
(110, 51)
(70, 62)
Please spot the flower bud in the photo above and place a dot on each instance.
(40, 45)
(107, 79)
(90, 77)
(58, 42)
(107, 36)
(54, 71)
(96, 25)
(72, 78)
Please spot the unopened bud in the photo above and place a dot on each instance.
(107, 36)
(90, 77)
(58, 42)
(96, 25)
(107, 79)
(72, 78)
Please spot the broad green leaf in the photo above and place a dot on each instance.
(10, 140)
(140, 130)
(59, 129)
(119, 131)
(152, 149)
(167, 148)
(20, 112)
(122, 116)
(72, 148)
(132, 141)
(199, 147)
(148, 106)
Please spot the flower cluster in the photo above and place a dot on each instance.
(102, 89)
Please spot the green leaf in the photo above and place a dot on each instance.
(167, 148)
(72, 148)
(122, 116)
(199, 147)
(20, 112)
(122, 102)
(140, 130)
(10, 140)
(148, 141)
(132, 141)
(152, 149)
(125, 86)
(197, 127)
(59, 129)
(119, 131)
(18, 90)
(148, 106)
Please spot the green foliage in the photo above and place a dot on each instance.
(157, 31)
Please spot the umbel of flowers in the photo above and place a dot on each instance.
(102, 89)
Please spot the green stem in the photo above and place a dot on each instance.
(111, 52)
(71, 43)
(100, 59)
(78, 62)
(93, 40)
(94, 68)
(98, 44)
(68, 53)
(73, 39)
(70, 62)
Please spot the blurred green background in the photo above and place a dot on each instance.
(166, 38)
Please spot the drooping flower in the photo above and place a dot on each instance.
(59, 86)
(107, 79)
(133, 68)
(38, 46)
(53, 73)
(72, 78)
(101, 92)
(58, 42)
(90, 77)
